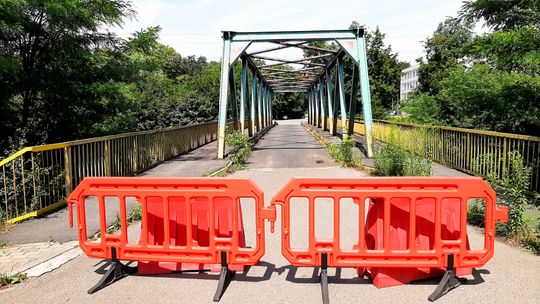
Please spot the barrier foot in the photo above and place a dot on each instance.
(116, 272)
(324, 278)
(225, 277)
(448, 282)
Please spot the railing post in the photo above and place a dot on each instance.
(135, 156)
(107, 160)
(68, 166)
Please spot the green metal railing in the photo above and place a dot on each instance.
(461, 149)
(37, 179)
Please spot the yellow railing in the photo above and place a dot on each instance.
(462, 148)
(37, 179)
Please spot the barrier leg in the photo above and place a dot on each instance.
(225, 277)
(115, 273)
(448, 282)
(324, 278)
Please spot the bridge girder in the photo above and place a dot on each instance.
(320, 76)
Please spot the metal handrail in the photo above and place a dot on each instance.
(461, 148)
(37, 179)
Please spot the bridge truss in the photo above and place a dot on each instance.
(320, 76)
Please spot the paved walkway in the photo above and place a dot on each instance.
(509, 277)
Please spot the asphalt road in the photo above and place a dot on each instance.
(510, 277)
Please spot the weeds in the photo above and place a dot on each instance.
(134, 216)
(393, 159)
(511, 190)
(241, 148)
(343, 151)
(11, 279)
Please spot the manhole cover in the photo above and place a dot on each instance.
(319, 161)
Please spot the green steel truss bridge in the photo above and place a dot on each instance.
(36, 180)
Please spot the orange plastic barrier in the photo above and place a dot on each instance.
(200, 230)
(191, 223)
(408, 228)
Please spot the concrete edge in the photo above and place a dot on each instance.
(53, 263)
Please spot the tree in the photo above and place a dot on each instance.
(503, 15)
(513, 47)
(485, 99)
(423, 108)
(48, 72)
(290, 104)
(444, 50)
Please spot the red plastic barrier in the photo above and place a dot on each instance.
(200, 230)
(399, 228)
(187, 223)
(412, 223)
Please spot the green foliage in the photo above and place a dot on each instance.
(63, 76)
(502, 14)
(290, 104)
(511, 190)
(481, 98)
(510, 51)
(488, 81)
(444, 50)
(423, 108)
(343, 151)
(476, 213)
(384, 73)
(393, 159)
(10, 279)
(48, 48)
(240, 148)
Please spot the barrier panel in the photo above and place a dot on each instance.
(189, 223)
(407, 228)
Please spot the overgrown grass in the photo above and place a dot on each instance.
(240, 148)
(523, 225)
(343, 151)
(393, 159)
(11, 279)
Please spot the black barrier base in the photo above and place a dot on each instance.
(225, 277)
(116, 272)
(448, 282)
(324, 278)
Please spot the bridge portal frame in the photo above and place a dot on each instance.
(324, 90)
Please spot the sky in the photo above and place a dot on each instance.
(194, 27)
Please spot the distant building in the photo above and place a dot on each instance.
(409, 81)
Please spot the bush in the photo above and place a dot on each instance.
(241, 147)
(511, 191)
(392, 159)
(343, 151)
(423, 109)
